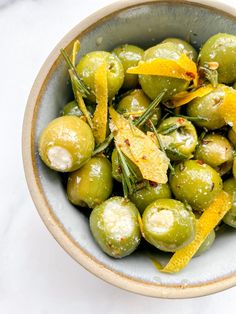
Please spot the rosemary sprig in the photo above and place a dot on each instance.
(169, 129)
(202, 135)
(100, 148)
(160, 143)
(79, 88)
(177, 153)
(80, 101)
(119, 97)
(157, 136)
(211, 75)
(162, 119)
(149, 112)
(77, 83)
(128, 175)
(186, 117)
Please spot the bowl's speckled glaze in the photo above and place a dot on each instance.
(144, 23)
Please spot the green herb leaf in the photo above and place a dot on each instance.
(100, 148)
(169, 129)
(150, 111)
(128, 175)
(186, 117)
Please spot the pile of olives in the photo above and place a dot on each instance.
(195, 137)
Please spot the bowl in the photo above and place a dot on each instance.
(143, 23)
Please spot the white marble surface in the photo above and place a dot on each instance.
(36, 275)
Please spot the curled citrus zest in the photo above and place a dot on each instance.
(76, 48)
(190, 67)
(207, 222)
(139, 148)
(183, 68)
(83, 108)
(101, 112)
(183, 98)
(227, 108)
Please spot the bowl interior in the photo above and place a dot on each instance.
(144, 25)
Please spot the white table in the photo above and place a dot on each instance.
(36, 275)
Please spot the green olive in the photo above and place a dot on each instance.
(88, 65)
(179, 138)
(116, 169)
(154, 85)
(115, 226)
(184, 47)
(207, 107)
(168, 225)
(66, 143)
(230, 217)
(72, 109)
(195, 183)
(207, 244)
(135, 103)
(130, 56)
(232, 137)
(147, 195)
(92, 184)
(216, 151)
(221, 48)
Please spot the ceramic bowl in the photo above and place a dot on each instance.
(144, 23)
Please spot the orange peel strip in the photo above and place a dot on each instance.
(75, 50)
(183, 68)
(227, 108)
(101, 112)
(190, 67)
(83, 108)
(183, 98)
(139, 148)
(207, 222)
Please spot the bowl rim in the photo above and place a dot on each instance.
(34, 185)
